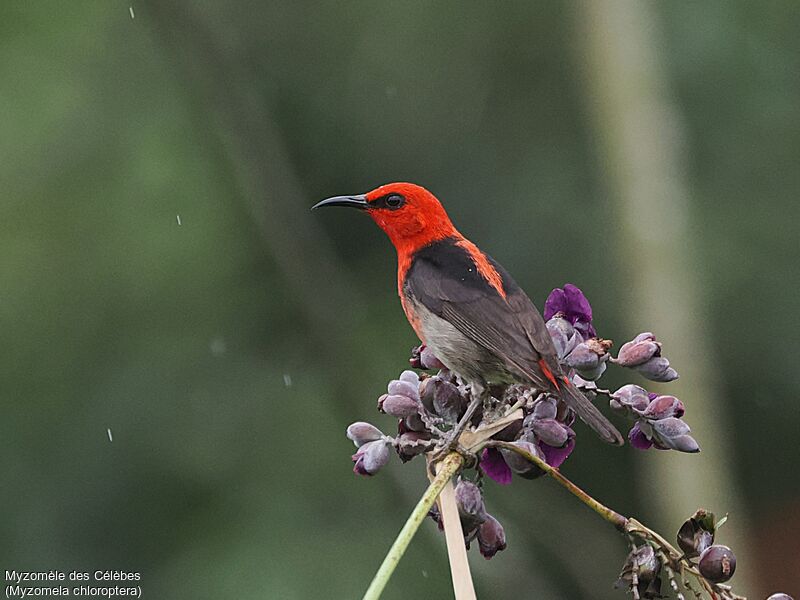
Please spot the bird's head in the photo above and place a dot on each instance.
(410, 215)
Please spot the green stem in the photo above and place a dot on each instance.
(613, 517)
(450, 466)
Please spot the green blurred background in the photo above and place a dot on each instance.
(161, 275)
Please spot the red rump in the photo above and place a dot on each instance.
(548, 373)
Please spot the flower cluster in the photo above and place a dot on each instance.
(475, 521)
(702, 566)
(657, 419)
(428, 405)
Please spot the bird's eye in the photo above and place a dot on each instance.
(394, 201)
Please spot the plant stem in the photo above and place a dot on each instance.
(626, 525)
(613, 517)
(449, 466)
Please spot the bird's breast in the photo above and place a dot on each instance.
(453, 348)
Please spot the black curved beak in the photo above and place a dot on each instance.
(351, 201)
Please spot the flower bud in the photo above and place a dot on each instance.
(544, 409)
(470, 505)
(563, 335)
(423, 357)
(399, 387)
(521, 465)
(583, 358)
(662, 407)
(673, 433)
(410, 377)
(717, 564)
(643, 347)
(371, 457)
(414, 423)
(448, 402)
(697, 533)
(551, 432)
(630, 399)
(780, 596)
(398, 406)
(361, 433)
(429, 360)
(657, 369)
(491, 537)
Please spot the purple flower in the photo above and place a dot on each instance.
(570, 302)
(638, 439)
(495, 468)
(556, 456)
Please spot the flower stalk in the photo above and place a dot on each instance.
(611, 516)
(449, 467)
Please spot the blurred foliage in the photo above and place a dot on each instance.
(228, 352)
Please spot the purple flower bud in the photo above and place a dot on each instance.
(361, 433)
(398, 406)
(371, 457)
(717, 563)
(673, 433)
(697, 533)
(551, 432)
(657, 369)
(544, 409)
(521, 465)
(589, 358)
(427, 389)
(470, 504)
(448, 402)
(414, 423)
(409, 376)
(639, 351)
(563, 335)
(630, 399)
(398, 387)
(494, 466)
(491, 537)
(662, 407)
(429, 360)
(583, 358)
(638, 439)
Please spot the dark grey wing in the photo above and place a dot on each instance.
(447, 283)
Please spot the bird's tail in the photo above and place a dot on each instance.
(589, 413)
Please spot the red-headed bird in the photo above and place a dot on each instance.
(463, 305)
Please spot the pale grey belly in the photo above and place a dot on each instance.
(461, 355)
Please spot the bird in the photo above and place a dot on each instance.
(464, 306)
